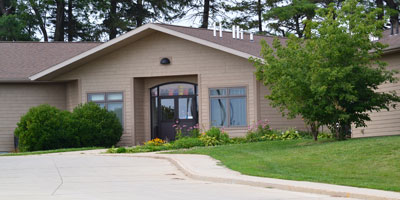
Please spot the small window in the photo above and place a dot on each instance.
(217, 92)
(113, 102)
(228, 107)
(114, 96)
(96, 97)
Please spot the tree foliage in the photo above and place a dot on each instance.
(248, 14)
(332, 77)
(99, 20)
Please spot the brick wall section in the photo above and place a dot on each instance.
(15, 101)
(141, 59)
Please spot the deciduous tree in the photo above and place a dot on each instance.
(332, 77)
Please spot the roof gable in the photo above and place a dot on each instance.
(242, 48)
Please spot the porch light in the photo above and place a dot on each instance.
(165, 61)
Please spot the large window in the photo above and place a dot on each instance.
(228, 107)
(112, 101)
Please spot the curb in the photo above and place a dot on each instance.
(264, 184)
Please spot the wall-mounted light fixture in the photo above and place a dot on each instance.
(165, 61)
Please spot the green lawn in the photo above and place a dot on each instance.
(50, 151)
(370, 162)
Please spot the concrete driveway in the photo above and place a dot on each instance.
(85, 176)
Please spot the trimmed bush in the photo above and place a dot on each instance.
(215, 136)
(187, 142)
(95, 126)
(45, 127)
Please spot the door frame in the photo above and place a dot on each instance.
(176, 104)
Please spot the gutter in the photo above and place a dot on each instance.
(24, 81)
(391, 50)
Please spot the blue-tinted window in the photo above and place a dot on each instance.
(228, 107)
(237, 112)
(219, 115)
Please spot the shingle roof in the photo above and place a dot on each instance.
(19, 60)
(392, 40)
(245, 45)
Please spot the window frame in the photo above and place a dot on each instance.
(106, 101)
(227, 98)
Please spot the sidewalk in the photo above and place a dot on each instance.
(205, 168)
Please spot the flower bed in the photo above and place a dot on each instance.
(258, 132)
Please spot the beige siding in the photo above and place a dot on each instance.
(273, 115)
(384, 122)
(139, 111)
(116, 72)
(15, 101)
(72, 95)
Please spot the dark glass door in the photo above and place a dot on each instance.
(176, 112)
(167, 118)
(173, 105)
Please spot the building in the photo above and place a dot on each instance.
(152, 77)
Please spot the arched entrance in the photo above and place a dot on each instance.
(172, 104)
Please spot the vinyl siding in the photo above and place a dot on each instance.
(139, 111)
(273, 115)
(384, 122)
(117, 71)
(15, 101)
(72, 95)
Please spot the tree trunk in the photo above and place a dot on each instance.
(38, 16)
(3, 10)
(342, 130)
(139, 18)
(394, 19)
(113, 13)
(298, 29)
(259, 13)
(314, 130)
(379, 4)
(59, 32)
(70, 22)
(206, 14)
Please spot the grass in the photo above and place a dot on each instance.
(50, 151)
(367, 162)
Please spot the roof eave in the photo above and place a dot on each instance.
(391, 50)
(15, 81)
(120, 39)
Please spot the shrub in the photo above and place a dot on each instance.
(209, 141)
(218, 134)
(45, 127)
(290, 134)
(254, 137)
(187, 142)
(325, 135)
(121, 150)
(257, 132)
(194, 131)
(95, 126)
(238, 140)
(272, 136)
